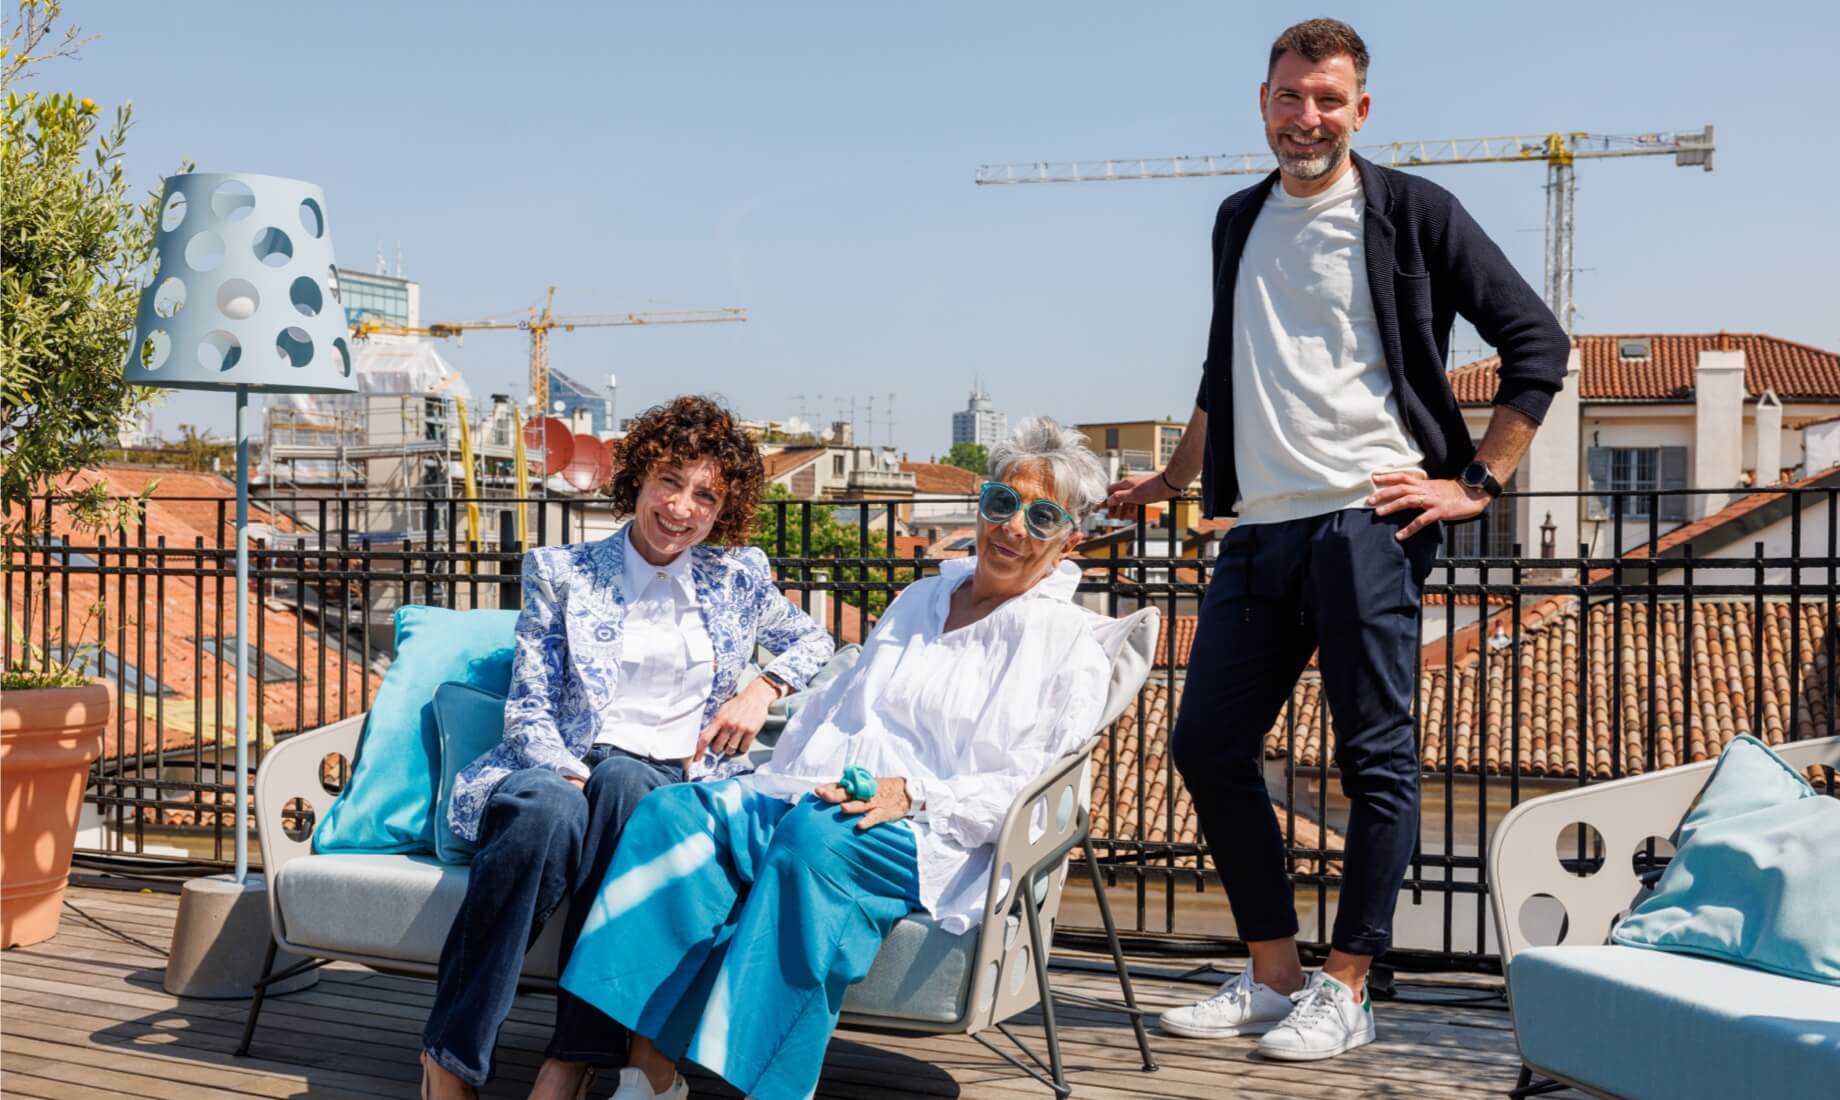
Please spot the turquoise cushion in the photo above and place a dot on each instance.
(1753, 880)
(1664, 1025)
(388, 805)
(469, 723)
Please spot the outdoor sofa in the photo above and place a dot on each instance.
(1633, 1022)
(391, 912)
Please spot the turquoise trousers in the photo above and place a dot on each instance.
(731, 923)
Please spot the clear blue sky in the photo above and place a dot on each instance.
(813, 162)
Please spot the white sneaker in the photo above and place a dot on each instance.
(1243, 1006)
(1327, 1021)
(635, 1086)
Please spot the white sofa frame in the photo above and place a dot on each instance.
(1523, 860)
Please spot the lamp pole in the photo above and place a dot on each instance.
(242, 635)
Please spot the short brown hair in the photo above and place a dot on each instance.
(1319, 40)
(685, 429)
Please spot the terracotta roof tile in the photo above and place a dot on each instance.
(1165, 813)
(942, 479)
(1721, 668)
(198, 684)
(781, 463)
(1183, 627)
(1793, 370)
(1724, 695)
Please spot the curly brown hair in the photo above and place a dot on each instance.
(685, 429)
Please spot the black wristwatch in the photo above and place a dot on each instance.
(784, 688)
(1477, 475)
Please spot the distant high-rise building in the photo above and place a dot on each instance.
(979, 422)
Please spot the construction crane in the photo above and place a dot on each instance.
(539, 325)
(1559, 151)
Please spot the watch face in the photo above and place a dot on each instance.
(1475, 474)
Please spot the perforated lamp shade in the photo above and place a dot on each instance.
(244, 292)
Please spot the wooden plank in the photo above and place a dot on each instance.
(86, 1015)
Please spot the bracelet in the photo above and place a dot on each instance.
(781, 689)
(1164, 474)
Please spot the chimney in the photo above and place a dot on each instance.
(1718, 427)
(1820, 446)
(1768, 427)
(1552, 466)
(841, 435)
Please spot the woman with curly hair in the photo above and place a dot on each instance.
(623, 680)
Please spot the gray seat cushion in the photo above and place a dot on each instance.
(1640, 1023)
(923, 972)
(396, 907)
(399, 908)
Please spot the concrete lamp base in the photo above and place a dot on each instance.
(220, 939)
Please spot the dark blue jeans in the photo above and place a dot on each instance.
(1343, 585)
(540, 843)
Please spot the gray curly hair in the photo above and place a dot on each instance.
(1079, 476)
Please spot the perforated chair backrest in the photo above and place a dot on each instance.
(1049, 816)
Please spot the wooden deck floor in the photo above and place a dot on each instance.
(83, 1015)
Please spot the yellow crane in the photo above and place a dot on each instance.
(1558, 151)
(539, 325)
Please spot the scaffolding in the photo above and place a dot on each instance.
(393, 444)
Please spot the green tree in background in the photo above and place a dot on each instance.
(831, 538)
(969, 456)
(75, 248)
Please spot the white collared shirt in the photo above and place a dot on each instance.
(667, 664)
(968, 717)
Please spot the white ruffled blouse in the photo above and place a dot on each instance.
(968, 717)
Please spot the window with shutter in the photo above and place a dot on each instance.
(1674, 481)
(1597, 465)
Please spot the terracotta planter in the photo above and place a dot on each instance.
(48, 739)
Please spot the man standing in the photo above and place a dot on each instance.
(1325, 421)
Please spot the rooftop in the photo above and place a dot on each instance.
(1793, 370)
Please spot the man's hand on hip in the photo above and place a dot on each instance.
(1437, 499)
(1127, 494)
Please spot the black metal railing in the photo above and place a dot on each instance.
(1537, 673)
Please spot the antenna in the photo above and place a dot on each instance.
(383, 266)
(871, 431)
(399, 257)
(891, 420)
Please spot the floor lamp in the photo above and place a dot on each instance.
(244, 299)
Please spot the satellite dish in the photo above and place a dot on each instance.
(603, 469)
(550, 445)
(585, 463)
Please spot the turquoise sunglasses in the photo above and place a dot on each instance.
(1044, 519)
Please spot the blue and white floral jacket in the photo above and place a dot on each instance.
(566, 665)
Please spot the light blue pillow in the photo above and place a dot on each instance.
(388, 805)
(1753, 881)
(469, 722)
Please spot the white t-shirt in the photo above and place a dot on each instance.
(1314, 413)
(667, 663)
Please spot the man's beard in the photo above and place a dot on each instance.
(1312, 167)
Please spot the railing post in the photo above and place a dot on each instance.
(510, 594)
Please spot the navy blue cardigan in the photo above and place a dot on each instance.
(1427, 261)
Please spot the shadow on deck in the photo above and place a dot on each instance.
(84, 1015)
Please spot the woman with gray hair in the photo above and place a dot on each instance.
(737, 913)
